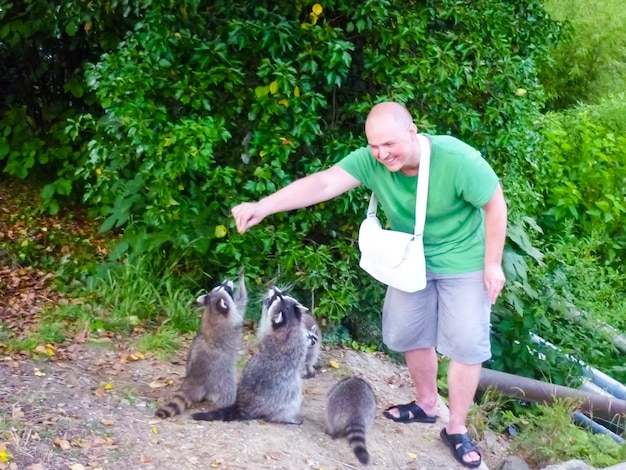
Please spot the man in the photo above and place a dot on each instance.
(464, 236)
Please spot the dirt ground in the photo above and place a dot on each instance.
(94, 408)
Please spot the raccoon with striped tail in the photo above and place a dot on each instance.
(350, 412)
(271, 387)
(313, 335)
(211, 365)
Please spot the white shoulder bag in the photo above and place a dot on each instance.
(397, 258)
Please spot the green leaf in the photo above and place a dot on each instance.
(261, 91)
(4, 149)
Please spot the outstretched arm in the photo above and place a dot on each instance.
(312, 189)
(495, 236)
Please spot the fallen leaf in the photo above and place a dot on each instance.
(38, 372)
(63, 444)
(17, 413)
(5, 455)
(77, 466)
(411, 455)
(157, 384)
(47, 349)
(334, 364)
(107, 422)
(146, 458)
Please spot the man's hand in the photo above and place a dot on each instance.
(247, 215)
(494, 281)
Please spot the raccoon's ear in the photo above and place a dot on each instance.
(300, 310)
(278, 318)
(222, 306)
(202, 299)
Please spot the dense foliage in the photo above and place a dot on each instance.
(161, 116)
(589, 60)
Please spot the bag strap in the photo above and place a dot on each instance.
(422, 188)
(422, 185)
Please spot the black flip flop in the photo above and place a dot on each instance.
(465, 446)
(406, 410)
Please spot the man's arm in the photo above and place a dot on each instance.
(307, 191)
(495, 236)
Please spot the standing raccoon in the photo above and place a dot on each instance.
(350, 412)
(271, 386)
(211, 365)
(312, 332)
(314, 337)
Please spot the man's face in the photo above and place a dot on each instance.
(390, 143)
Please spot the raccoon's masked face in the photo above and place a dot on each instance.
(282, 309)
(220, 299)
(311, 337)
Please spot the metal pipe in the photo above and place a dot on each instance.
(598, 377)
(605, 382)
(606, 407)
(587, 423)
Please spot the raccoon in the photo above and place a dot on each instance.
(350, 412)
(211, 365)
(271, 386)
(313, 335)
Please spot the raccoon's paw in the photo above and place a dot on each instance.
(309, 374)
(297, 420)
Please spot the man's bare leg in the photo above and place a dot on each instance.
(422, 365)
(462, 384)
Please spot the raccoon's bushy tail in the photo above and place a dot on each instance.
(356, 438)
(176, 406)
(228, 413)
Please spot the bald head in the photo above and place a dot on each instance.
(392, 137)
(389, 111)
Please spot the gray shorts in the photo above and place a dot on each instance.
(450, 314)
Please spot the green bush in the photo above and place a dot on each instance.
(581, 173)
(589, 63)
(574, 209)
(166, 161)
(204, 106)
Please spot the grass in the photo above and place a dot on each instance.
(131, 298)
(549, 436)
(546, 434)
(165, 341)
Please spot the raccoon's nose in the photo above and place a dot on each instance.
(228, 289)
(274, 294)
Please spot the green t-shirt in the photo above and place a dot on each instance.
(460, 183)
